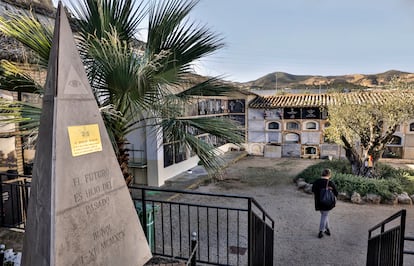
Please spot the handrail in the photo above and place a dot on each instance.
(189, 192)
(389, 219)
(409, 238)
(381, 251)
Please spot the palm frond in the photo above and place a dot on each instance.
(29, 31)
(209, 156)
(164, 18)
(122, 77)
(99, 17)
(13, 78)
(169, 30)
(25, 116)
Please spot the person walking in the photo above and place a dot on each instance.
(323, 183)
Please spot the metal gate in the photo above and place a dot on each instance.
(386, 247)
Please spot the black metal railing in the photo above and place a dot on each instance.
(409, 241)
(386, 247)
(231, 229)
(409, 251)
(14, 191)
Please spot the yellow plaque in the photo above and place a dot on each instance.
(84, 139)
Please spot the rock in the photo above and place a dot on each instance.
(343, 196)
(301, 184)
(403, 198)
(296, 181)
(412, 198)
(372, 198)
(392, 201)
(356, 198)
(308, 188)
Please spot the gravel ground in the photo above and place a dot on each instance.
(269, 181)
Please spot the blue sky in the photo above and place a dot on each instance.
(308, 37)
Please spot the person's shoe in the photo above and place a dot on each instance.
(320, 235)
(327, 232)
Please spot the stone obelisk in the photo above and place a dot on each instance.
(80, 210)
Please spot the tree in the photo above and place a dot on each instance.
(132, 86)
(364, 123)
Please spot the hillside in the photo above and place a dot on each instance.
(355, 81)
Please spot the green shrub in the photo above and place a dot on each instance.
(407, 181)
(404, 176)
(389, 180)
(385, 171)
(313, 172)
(385, 188)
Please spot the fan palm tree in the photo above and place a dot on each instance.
(133, 87)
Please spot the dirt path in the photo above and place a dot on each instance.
(269, 181)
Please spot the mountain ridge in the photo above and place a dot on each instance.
(348, 81)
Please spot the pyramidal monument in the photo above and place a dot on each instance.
(80, 210)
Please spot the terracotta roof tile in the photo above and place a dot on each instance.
(317, 100)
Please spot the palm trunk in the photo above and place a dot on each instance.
(19, 154)
(123, 159)
(18, 142)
